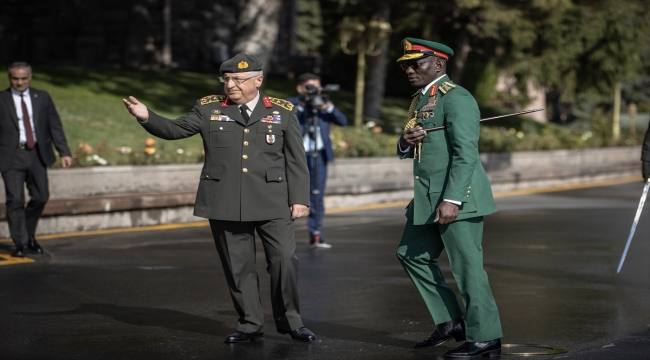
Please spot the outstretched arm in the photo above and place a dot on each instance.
(185, 126)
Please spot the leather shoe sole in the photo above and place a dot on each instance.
(240, 337)
(431, 343)
(302, 334)
(20, 252)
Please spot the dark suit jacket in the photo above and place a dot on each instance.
(46, 123)
(252, 172)
(324, 120)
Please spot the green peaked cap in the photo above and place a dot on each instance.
(418, 48)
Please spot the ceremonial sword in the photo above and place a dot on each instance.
(436, 128)
(636, 221)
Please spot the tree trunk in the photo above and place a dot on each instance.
(167, 45)
(460, 57)
(376, 77)
(257, 28)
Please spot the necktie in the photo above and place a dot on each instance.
(28, 125)
(244, 113)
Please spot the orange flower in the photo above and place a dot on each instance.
(87, 148)
(150, 142)
(149, 150)
(377, 129)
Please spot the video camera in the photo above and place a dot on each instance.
(313, 96)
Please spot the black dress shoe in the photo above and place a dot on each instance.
(477, 349)
(19, 252)
(300, 334)
(241, 336)
(454, 329)
(33, 246)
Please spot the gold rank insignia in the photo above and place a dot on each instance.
(211, 99)
(407, 45)
(446, 86)
(242, 65)
(287, 105)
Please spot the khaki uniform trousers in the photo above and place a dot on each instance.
(235, 243)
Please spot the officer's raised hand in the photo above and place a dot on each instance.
(412, 137)
(136, 108)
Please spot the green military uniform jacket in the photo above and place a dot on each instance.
(449, 166)
(252, 172)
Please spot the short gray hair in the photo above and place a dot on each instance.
(20, 64)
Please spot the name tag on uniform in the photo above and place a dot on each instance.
(273, 119)
(220, 118)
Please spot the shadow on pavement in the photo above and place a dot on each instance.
(140, 316)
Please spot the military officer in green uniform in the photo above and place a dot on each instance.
(255, 178)
(452, 195)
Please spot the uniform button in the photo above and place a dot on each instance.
(245, 156)
(207, 176)
(416, 177)
(245, 143)
(220, 127)
(280, 178)
(246, 131)
(244, 170)
(270, 131)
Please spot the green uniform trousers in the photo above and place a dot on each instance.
(235, 243)
(418, 252)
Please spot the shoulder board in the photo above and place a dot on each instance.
(282, 103)
(446, 86)
(211, 99)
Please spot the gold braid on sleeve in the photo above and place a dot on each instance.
(412, 122)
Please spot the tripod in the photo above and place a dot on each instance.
(314, 154)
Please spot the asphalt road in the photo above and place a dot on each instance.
(551, 259)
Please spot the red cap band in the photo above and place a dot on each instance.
(435, 52)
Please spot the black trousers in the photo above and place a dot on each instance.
(235, 243)
(26, 169)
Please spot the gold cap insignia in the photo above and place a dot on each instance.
(407, 45)
(242, 65)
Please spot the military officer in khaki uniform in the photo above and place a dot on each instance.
(452, 194)
(255, 178)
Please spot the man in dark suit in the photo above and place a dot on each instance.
(29, 125)
(255, 178)
(318, 146)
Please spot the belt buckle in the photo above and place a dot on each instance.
(22, 146)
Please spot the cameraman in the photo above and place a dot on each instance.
(315, 113)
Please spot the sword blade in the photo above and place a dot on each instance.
(436, 128)
(636, 221)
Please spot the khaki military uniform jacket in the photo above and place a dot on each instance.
(252, 172)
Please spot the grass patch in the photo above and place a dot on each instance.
(101, 131)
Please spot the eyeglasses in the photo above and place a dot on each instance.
(414, 65)
(236, 80)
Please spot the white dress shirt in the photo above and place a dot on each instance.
(19, 111)
(251, 104)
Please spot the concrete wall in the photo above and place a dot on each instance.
(126, 196)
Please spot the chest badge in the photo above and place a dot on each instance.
(272, 119)
(270, 139)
